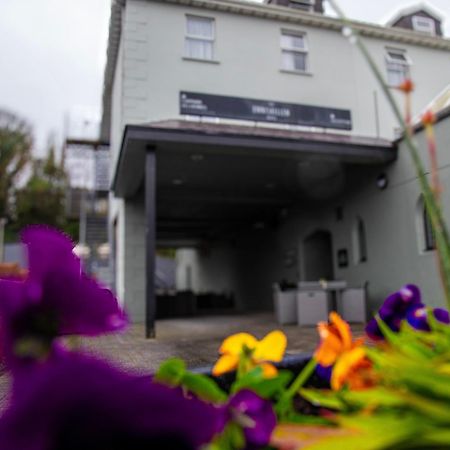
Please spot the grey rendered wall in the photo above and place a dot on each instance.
(151, 71)
(134, 258)
(395, 251)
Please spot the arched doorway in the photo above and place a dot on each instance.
(318, 256)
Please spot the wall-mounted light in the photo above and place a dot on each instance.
(382, 181)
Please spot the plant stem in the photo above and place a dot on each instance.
(431, 204)
(302, 378)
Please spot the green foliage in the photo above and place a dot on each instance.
(409, 407)
(15, 149)
(173, 372)
(42, 200)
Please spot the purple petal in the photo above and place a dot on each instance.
(78, 402)
(395, 309)
(324, 372)
(260, 413)
(441, 315)
(80, 304)
(418, 319)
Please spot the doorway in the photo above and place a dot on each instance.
(318, 256)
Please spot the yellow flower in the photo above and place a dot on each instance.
(336, 339)
(245, 351)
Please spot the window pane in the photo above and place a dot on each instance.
(196, 48)
(200, 26)
(293, 41)
(294, 61)
(398, 56)
(397, 73)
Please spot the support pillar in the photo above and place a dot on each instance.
(150, 232)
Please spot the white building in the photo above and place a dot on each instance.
(254, 135)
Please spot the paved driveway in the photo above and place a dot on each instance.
(194, 339)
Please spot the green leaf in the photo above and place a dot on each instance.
(325, 398)
(264, 387)
(203, 387)
(171, 371)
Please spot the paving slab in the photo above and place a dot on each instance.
(195, 339)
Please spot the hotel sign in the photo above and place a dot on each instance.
(192, 103)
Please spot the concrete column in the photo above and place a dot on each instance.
(150, 232)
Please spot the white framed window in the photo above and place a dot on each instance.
(294, 51)
(200, 36)
(359, 241)
(427, 239)
(424, 25)
(397, 66)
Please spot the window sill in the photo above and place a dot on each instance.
(297, 72)
(210, 61)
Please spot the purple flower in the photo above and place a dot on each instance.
(395, 309)
(418, 318)
(324, 372)
(76, 402)
(56, 298)
(405, 304)
(255, 415)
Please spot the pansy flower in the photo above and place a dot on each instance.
(337, 351)
(335, 339)
(353, 369)
(254, 415)
(418, 318)
(55, 298)
(244, 351)
(77, 402)
(403, 304)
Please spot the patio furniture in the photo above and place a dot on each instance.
(285, 302)
(313, 305)
(315, 300)
(351, 305)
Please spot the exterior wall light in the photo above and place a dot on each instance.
(382, 181)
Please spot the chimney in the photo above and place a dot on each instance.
(304, 5)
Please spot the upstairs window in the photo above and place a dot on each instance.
(294, 52)
(424, 25)
(397, 65)
(199, 43)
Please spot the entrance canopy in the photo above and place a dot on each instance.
(213, 179)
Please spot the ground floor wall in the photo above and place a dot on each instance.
(393, 253)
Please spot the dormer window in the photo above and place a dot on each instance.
(424, 25)
(306, 5)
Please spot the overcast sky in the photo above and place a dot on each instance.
(53, 52)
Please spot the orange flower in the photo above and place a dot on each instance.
(407, 86)
(428, 118)
(354, 370)
(336, 339)
(245, 351)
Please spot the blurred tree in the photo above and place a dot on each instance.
(42, 200)
(15, 150)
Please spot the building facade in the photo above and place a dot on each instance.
(255, 137)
